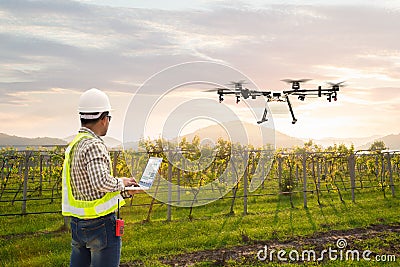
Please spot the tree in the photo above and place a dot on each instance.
(378, 146)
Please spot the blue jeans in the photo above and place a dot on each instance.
(94, 242)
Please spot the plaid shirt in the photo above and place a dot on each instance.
(90, 169)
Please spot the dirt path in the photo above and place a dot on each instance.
(247, 253)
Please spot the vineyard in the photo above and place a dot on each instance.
(195, 175)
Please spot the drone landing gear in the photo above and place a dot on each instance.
(264, 117)
(291, 110)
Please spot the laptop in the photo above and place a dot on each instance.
(148, 176)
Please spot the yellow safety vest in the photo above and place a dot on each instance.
(80, 208)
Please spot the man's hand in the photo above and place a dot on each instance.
(137, 191)
(129, 181)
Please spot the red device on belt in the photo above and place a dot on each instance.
(119, 229)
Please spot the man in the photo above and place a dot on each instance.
(90, 193)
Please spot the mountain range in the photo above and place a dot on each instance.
(285, 141)
(244, 133)
(24, 142)
(391, 141)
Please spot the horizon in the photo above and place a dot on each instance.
(50, 56)
(285, 141)
(65, 138)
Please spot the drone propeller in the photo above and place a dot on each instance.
(236, 83)
(339, 84)
(223, 90)
(335, 88)
(295, 83)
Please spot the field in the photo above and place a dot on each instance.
(215, 237)
(315, 210)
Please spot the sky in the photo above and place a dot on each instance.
(53, 50)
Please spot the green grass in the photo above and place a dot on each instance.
(35, 240)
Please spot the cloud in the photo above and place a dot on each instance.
(78, 45)
(279, 37)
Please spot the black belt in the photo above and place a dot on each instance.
(98, 218)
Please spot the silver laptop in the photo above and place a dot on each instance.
(148, 176)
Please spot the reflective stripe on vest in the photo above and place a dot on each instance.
(80, 208)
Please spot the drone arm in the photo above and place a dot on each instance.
(264, 117)
(291, 110)
(220, 97)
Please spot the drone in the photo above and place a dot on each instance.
(240, 91)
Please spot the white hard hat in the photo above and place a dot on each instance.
(94, 100)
